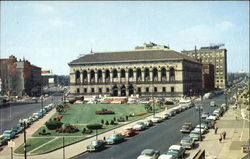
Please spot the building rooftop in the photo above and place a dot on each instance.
(131, 56)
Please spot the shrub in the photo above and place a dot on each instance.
(94, 126)
(121, 119)
(126, 117)
(53, 124)
(102, 121)
(112, 122)
(107, 123)
(86, 131)
(114, 119)
(44, 132)
(140, 114)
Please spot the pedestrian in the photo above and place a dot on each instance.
(220, 138)
(224, 135)
(235, 117)
(215, 130)
(104, 138)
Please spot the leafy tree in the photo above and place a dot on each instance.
(148, 107)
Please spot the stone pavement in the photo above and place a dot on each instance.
(237, 134)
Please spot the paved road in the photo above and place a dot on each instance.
(10, 115)
(160, 137)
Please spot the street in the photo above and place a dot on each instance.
(159, 137)
(10, 115)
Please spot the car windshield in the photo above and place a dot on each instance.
(148, 152)
(113, 135)
(173, 153)
(185, 126)
(94, 143)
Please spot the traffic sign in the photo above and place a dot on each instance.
(11, 144)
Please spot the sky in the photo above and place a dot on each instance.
(52, 34)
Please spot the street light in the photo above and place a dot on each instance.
(25, 151)
(199, 108)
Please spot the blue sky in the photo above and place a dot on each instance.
(51, 34)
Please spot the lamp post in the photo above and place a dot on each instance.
(199, 110)
(226, 98)
(25, 152)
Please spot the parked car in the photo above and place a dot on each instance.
(204, 115)
(128, 131)
(139, 126)
(104, 102)
(148, 123)
(167, 155)
(3, 140)
(9, 134)
(213, 117)
(195, 135)
(96, 145)
(17, 129)
(156, 119)
(209, 122)
(198, 130)
(171, 113)
(149, 154)
(164, 116)
(176, 151)
(186, 127)
(115, 138)
(187, 142)
(212, 104)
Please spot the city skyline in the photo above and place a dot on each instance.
(52, 34)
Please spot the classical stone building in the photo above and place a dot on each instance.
(216, 56)
(148, 71)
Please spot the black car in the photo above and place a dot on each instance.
(96, 145)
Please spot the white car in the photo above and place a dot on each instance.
(165, 116)
(212, 104)
(198, 129)
(156, 119)
(213, 117)
(149, 154)
(139, 126)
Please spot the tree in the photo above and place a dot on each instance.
(148, 107)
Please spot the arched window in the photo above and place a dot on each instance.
(77, 77)
(171, 74)
(114, 73)
(155, 74)
(107, 76)
(146, 74)
(130, 73)
(92, 76)
(163, 74)
(84, 76)
(99, 75)
(138, 74)
(123, 75)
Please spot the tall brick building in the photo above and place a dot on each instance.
(19, 77)
(216, 56)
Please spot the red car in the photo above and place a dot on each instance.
(128, 131)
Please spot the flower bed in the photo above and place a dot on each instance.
(104, 111)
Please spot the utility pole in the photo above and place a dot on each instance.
(200, 122)
(25, 152)
(63, 149)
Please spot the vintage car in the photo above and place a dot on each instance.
(96, 145)
(115, 138)
(149, 154)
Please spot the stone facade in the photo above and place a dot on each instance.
(130, 75)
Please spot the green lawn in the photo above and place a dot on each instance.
(32, 143)
(81, 115)
(56, 143)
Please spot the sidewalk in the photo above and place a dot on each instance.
(237, 133)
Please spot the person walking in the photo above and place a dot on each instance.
(224, 135)
(220, 138)
(215, 130)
